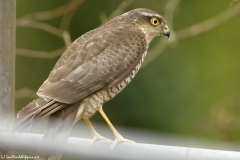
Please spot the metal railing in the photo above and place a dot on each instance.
(81, 148)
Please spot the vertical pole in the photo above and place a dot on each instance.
(7, 61)
(7, 65)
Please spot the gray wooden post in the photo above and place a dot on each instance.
(7, 61)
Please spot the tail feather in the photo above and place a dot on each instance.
(35, 105)
(33, 112)
(61, 120)
(51, 109)
(54, 110)
(58, 130)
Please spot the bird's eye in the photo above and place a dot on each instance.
(155, 21)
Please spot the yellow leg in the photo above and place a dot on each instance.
(118, 137)
(96, 136)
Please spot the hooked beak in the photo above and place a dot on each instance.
(166, 31)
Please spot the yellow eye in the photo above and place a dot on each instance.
(155, 21)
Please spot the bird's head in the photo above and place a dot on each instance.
(150, 22)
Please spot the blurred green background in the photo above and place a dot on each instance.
(192, 88)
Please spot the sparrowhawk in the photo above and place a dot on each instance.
(93, 69)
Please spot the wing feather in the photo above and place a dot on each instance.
(99, 59)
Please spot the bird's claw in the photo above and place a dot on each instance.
(96, 138)
(119, 140)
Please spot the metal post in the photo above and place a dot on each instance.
(7, 64)
(7, 61)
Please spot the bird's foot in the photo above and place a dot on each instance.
(120, 139)
(97, 137)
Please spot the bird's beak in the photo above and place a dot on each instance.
(166, 31)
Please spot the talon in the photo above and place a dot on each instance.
(119, 140)
(96, 138)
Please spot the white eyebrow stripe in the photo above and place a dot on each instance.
(149, 14)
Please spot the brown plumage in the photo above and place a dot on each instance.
(92, 70)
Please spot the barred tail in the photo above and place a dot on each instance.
(58, 130)
(33, 112)
(61, 120)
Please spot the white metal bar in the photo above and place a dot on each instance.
(78, 147)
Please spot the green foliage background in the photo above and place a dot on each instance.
(192, 88)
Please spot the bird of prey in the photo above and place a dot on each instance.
(93, 69)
